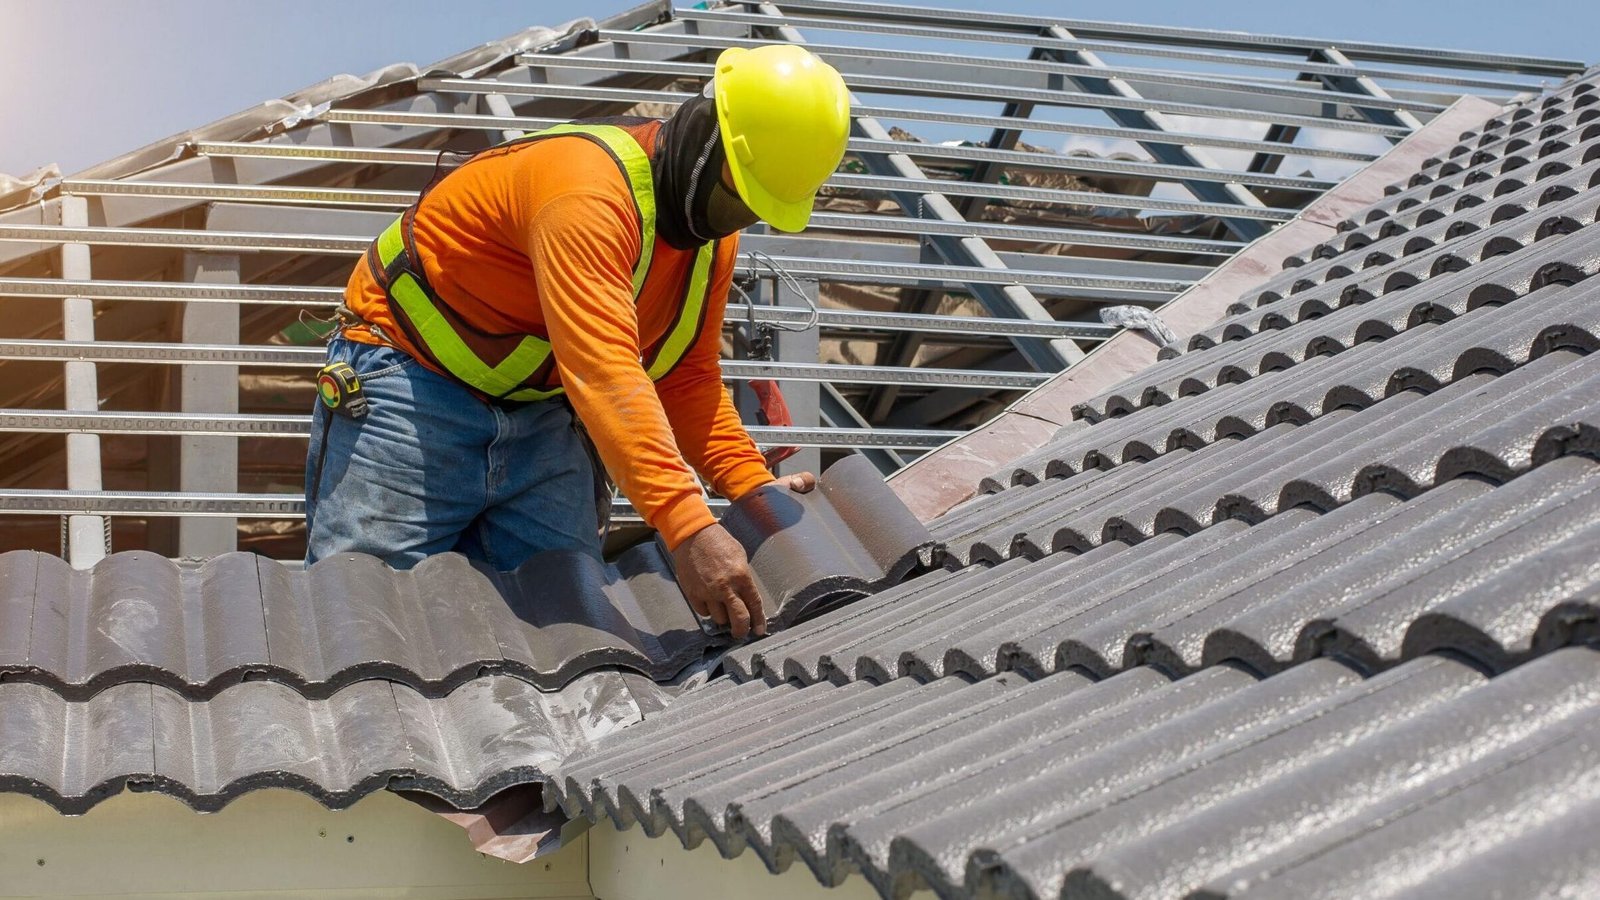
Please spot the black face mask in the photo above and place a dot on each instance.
(693, 205)
(725, 212)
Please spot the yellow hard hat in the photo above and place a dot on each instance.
(785, 119)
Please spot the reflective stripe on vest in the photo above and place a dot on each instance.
(439, 339)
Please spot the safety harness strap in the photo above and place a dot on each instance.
(449, 342)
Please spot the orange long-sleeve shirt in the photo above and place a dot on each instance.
(540, 238)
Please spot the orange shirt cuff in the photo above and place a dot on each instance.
(680, 519)
(744, 479)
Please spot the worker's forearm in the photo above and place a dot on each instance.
(709, 431)
(634, 439)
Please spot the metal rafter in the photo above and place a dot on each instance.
(158, 503)
(1109, 288)
(1149, 120)
(49, 421)
(315, 188)
(990, 31)
(1201, 37)
(311, 196)
(85, 538)
(823, 222)
(846, 59)
(903, 348)
(328, 298)
(946, 117)
(152, 352)
(1009, 301)
(1036, 89)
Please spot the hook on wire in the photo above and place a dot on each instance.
(780, 277)
(761, 333)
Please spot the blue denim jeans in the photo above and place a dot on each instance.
(432, 468)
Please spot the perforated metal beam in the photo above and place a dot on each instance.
(1398, 115)
(947, 117)
(261, 425)
(155, 503)
(1011, 301)
(327, 298)
(870, 143)
(993, 29)
(336, 197)
(860, 67)
(1199, 37)
(304, 357)
(1194, 159)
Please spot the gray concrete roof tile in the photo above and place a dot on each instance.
(1132, 786)
(487, 734)
(199, 628)
(1442, 849)
(196, 629)
(1334, 328)
(1431, 413)
(1364, 539)
(207, 680)
(1298, 584)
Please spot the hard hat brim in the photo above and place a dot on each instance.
(782, 215)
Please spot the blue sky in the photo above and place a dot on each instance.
(86, 80)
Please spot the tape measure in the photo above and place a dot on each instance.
(340, 390)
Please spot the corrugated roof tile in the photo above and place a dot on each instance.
(1290, 614)
(1132, 786)
(485, 735)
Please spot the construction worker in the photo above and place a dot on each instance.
(569, 281)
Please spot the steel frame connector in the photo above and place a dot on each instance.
(1361, 85)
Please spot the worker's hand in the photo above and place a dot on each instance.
(714, 573)
(800, 483)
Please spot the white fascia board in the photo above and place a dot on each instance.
(269, 843)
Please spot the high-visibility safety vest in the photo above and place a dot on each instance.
(518, 366)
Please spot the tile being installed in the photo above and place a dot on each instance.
(138, 617)
(486, 735)
(850, 536)
(1315, 781)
